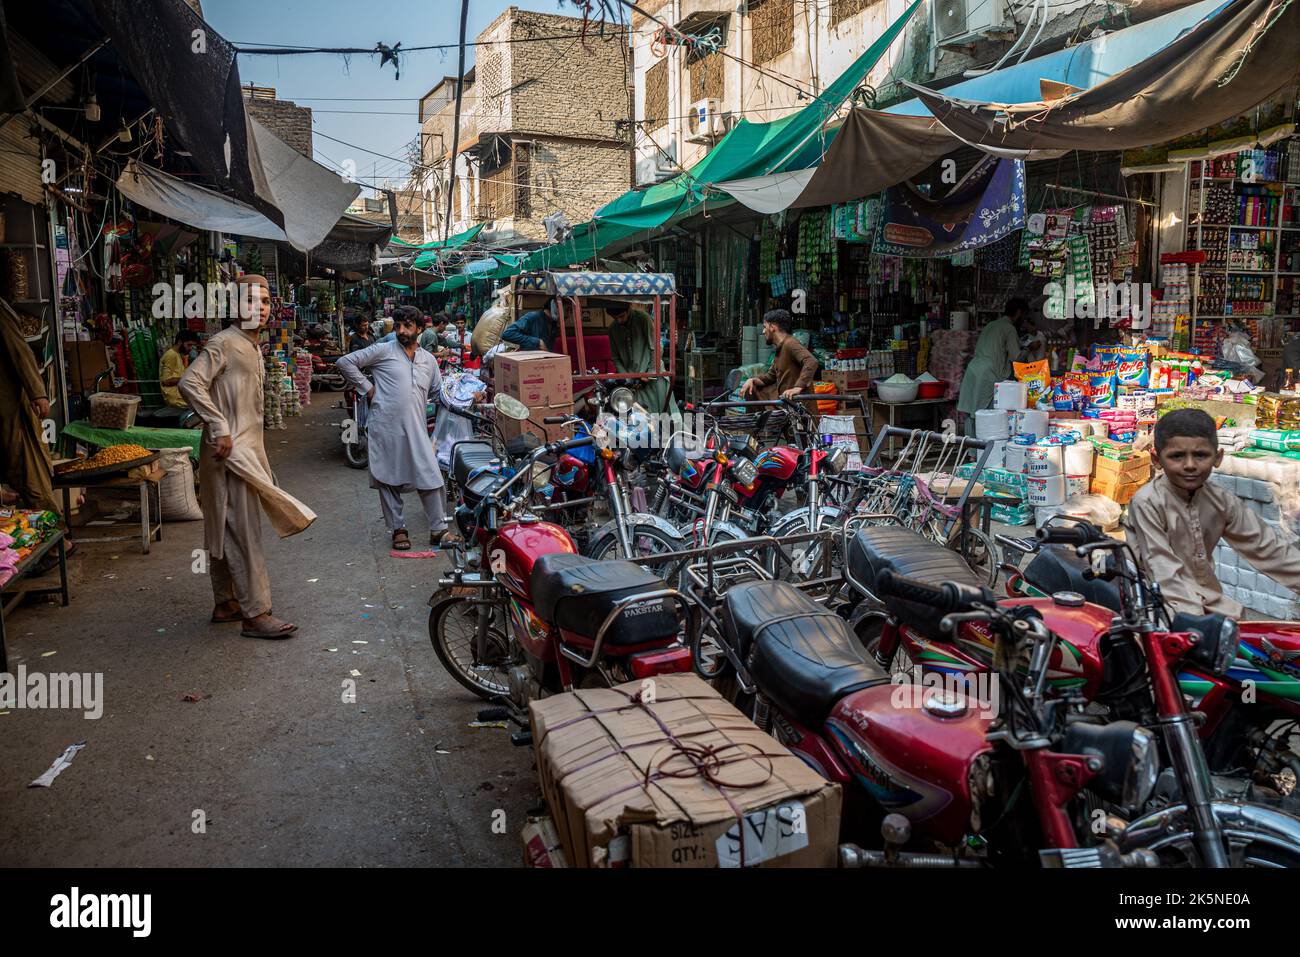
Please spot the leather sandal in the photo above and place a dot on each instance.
(401, 540)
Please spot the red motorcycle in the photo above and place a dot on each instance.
(1245, 742)
(523, 615)
(1012, 774)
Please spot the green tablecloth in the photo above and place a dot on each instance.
(151, 439)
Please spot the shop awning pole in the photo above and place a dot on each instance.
(1095, 195)
(55, 81)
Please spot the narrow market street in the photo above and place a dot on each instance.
(283, 770)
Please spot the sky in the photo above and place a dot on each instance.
(354, 100)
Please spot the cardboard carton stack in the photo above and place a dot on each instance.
(543, 382)
(1118, 471)
(622, 777)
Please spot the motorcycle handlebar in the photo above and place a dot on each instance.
(945, 597)
(1075, 533)
(577, 443)
(555, 420)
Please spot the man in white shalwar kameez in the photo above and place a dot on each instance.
(224, 385)
(402, 458)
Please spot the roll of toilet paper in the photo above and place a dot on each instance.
(996, 454)
(1030, 422)
(1013, 457)
(1042, 460)
(1078, 458)
(1045, 490)
(1010, 395)
(992, 424)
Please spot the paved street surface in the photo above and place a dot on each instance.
(283, 770)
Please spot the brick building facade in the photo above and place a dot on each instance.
(284, 118)
(543, 128)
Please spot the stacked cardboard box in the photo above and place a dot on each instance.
(619, 768)
(543, 381)
(1119, 476)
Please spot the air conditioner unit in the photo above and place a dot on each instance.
(964, 21)
(709, 119)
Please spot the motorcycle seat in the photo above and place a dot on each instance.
(577, 594)
(802, 656)
(468, 456)
(877, 548)
(1056, 568)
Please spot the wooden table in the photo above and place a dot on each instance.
(15, 589)
(150, 505)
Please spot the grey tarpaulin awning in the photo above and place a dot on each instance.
(351, 243)
(193, 205)
(1227, 64)
(196, 92)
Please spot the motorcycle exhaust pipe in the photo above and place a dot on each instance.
(852, 856)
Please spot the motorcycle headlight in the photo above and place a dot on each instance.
(744, 471)
(835, 459)
(1129, 756)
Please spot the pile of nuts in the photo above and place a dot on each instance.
(111, 455)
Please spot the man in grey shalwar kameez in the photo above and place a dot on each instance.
(633, 347)
(224, 385)
(402, 458)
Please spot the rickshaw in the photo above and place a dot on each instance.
(578, 294)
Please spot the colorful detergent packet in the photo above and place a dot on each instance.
(1037, 377)
(1101, 390)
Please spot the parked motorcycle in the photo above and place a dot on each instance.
(522, 614)
(1250, 711)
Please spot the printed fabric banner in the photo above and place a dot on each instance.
(984, 207)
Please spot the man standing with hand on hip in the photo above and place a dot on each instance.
(224, 385)
(406, 379)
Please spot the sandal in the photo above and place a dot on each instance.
(444, 539)
(236, 615)
(279, 629)
(401, 540)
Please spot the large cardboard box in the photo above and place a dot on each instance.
(1117, 487)
(853, 381)
(512, 428)
(537, 379)
(623, 791)
(85, 361)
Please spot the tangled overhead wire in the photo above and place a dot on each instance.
(864, 96)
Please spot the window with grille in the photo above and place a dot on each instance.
(656, 95)
(841, 10)
(708, 77)
(771, 24)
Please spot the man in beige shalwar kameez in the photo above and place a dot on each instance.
(224, 385)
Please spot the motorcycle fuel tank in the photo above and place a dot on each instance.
(520, 544)
(917, 751)
(779, 461)
(1268, 653)
(1076, 661)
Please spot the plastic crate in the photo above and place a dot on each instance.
(109, 410)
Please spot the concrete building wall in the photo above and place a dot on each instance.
(825, 38)
(556, 110)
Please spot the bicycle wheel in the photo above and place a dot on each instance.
(980, 552)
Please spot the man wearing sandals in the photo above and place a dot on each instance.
(224, 385)
(402, 459)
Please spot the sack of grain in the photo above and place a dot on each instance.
(490, 325)
(176, 490)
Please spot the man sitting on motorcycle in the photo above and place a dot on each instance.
(1175, 522)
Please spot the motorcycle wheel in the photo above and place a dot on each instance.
(452, 631)
(335, 383)
(790, 525)
(356, 454)
(647, 541)
(980, 554)
(1180, 852)
(900, 664)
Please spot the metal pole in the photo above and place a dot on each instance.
(455, 127)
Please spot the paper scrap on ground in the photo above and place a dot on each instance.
(63, 760)
(355, 673)
(433, 554)
(487, 724)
